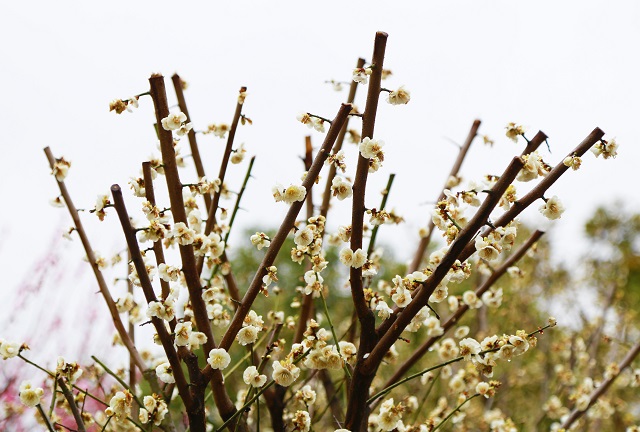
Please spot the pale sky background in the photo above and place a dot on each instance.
(560, 67)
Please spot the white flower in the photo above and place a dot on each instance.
(238, 155)
(168, 273)
(318, 124)
(514, 131)
(173, 121)
(492, 298)
(301, 421)
(607, 149)
(483, 388)
(573, 162)
(285, 373)
(346, 256)
(218, 358)
(303, 237)
(248, 335)
(120, 404)
(361, 75)
(399, 97)
(384, 311)
(359, 258)
(305, 119)
(61, 169)
(8, 349)
(165, 373)
(469, 347)
(182, 333)
(487, 249)
(552, 208)
(402, 297)
(252, 377)
(341, 188)
(183, 233)
(471, 299)
(184, 129)
(370, 148)
(260, 240)
(30, 396)
(125, 304)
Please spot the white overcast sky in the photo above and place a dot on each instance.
(563, 67)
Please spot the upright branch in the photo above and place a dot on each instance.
(102, 284)
(211, 218)
(159, 96)
(150, 296)
(326, 196)
(356, 414)
(283, 231)
(455, 169)
(68, 395)
(193, 143)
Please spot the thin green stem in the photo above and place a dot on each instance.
(426, 395)
(54, 395)
(454, 411)
(383, 203)
(333, 333)
(117, 378)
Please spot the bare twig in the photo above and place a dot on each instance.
(72, 405)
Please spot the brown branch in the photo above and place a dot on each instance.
(538, 139)
(538, 191)
(193, 143)
(211, 214)
(224, 404)
(132, 335)
(150, 296)
(424, 242)
(283, 232)
(389, 332)
(455, 318)
(113, 310)
(158, 251)
(576, 414)
(72, 405)
(326, 196)
(359, 386)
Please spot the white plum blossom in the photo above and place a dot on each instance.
(399, 97)
(370, 148)
(252, 377)
(552, 208)
(218, 358)
(165, 373)
(285, 373)
(29, 395)
(174, 121)
(341, 188)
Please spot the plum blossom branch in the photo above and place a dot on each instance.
(455, 169)
(102, 284)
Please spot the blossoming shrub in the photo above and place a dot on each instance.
(420, 348)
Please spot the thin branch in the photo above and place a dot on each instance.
(193, 143)
(72, 405)
(283, 232)
(150, 296)
(104, 290)
(383, 203)
(326, 196)
(356, 412)
(424, 242)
